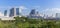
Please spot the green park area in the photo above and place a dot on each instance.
(24, 22)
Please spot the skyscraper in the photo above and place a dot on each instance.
(14, 12)
(32, 12)
(11, 12)
(17, 11)
(5, 13)
(34, 15)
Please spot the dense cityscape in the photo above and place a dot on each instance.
(29, 13)
(32, 20)
(33, 14)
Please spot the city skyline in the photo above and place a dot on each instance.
(47, 7)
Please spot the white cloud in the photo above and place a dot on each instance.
(22, 7)
(51, 11)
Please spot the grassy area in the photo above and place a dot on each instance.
(23, 22)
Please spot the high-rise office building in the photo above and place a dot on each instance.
(32, 12)
(17, 11)
(5, 13)
(37, 12)
(34, 15)
(11, 12)
(14, 12)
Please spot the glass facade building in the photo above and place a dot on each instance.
(17, 11)
(32, 12)
(14, 12)
(5, 13)
(34, 15)
(11, 12)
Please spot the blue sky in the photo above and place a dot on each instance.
(43, 6)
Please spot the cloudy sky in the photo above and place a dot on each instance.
(47, 7)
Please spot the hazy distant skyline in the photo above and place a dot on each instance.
(43, 6)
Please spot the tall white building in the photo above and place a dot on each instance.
(57, 15)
